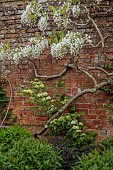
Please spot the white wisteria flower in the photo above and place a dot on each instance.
(65, 22)
(42, 24)
(76, 10)
(57, 18)
(33, 11)
(29, 51)
(71, 43)
(58, 51)
(39, 46)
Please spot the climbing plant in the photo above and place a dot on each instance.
(59, 27)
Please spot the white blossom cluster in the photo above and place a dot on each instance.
(58, 51)
(30, 51)
(76, 10)
(15, 55)
(57, 18)
(8, 53)
(33, 11)
(38, 46)
(42, 24)
(71, 43)
(34, 15)
(63, 19)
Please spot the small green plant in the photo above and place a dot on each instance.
(108, 143)
(37, 93)
(3, 100)
(19, 150)
(96, 160)
(71, 127)
(109, 90)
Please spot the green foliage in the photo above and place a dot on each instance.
(52, 8)
(108, 143)
(96, 160)
(11, 135)
(37, 93)
(108, 66)
(56, 36)
(5, 46)
(109, 90)
(59, 93)
(70, 155)
(3, 100)
(73, 1)
(20, 151)
(72, 129)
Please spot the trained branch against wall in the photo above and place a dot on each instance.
(59, 113)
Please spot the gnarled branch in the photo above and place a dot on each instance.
(95, 25)
(54, 76)
(59, 113)
(101, 69)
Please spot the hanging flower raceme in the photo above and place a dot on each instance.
(33, 50)
(75, 10)
(71, 43)
(61, 16)
(33, 11)
(38, 45)
(42, 24)
(58, 51)
(57, 18)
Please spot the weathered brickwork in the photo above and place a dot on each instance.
(11, 29)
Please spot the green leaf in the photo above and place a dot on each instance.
(52, 8)
(38, 36)
(63, 10)
(32, 16)
(69, 1)
(75, 1)
(7, 45)
(72, 108)
(40, 107)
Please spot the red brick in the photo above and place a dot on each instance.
(41, 118)
(102, 116)
(91, 116)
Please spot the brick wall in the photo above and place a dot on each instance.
(11, 29)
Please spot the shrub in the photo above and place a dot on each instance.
(31, 154)
(108, 143)
(11, 135)
(72, 129)
(96, 160)
(20, 151)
